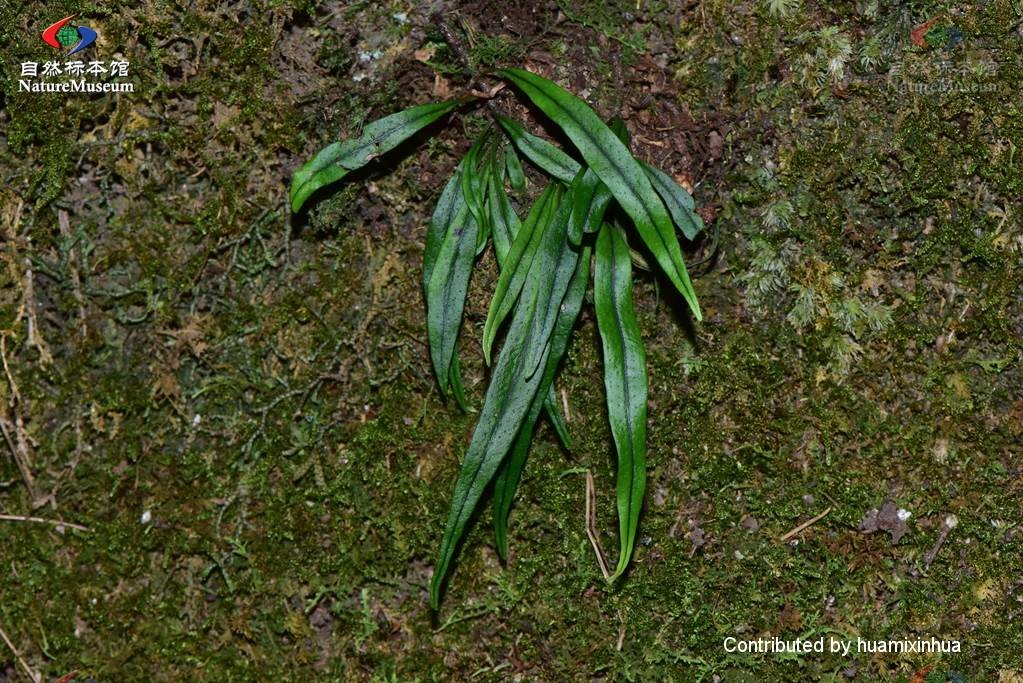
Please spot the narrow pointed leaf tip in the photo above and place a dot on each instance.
(611, 160)
(334, 161)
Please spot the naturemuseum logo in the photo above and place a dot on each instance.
(71, 76)
(945, 72)
(64, 34)
(937, 33)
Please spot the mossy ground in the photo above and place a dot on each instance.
(176, 345)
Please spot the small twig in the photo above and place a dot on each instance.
(457, 45)
(591, 524)
(34, 675)
(16, 453)
(950, 522)
(805, 525)
(564, 404)
(454, 41)
(40, 520)
(488, 94)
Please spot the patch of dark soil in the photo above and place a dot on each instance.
(523, 20)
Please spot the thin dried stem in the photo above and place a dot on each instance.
(591, 524)
(40, 520)
(34, 675)
(805, 525)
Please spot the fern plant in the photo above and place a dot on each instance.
(582, 220)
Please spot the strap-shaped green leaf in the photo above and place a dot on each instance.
(455, 378)
(450, 207)
(611, 160)
(510, 471)
(518, 263)
(547, 312)
(602, 196)
(446, 269)
(509, 396)
(625, 379)
(516, 176)
(602, 199)
(543, 154)
(506, 226)
(381, 136)
(678, 202)
(557, 164)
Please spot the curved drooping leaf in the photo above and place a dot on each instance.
(335, 160)
(583, 205)
(514, 168)
(678, 202)
(558, 164)
(510, 471)
(447, 266)
(509, 396)
(624, 379)
(611, 160)
(586, 203)
(518, 264)
(543, 154)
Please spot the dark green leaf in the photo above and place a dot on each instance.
(554, 415)
(379, 137)
(618, 127)
(549, 307)
(610, 159)
(450, 207)
(455, 378)
(509, 396)
(546, 156)
(624, 379)
(510, 471)
(474, 184)
(505, 223)
(506, 227)
(515, 175)
(586, 203)
(518, 263)
(447, 267)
